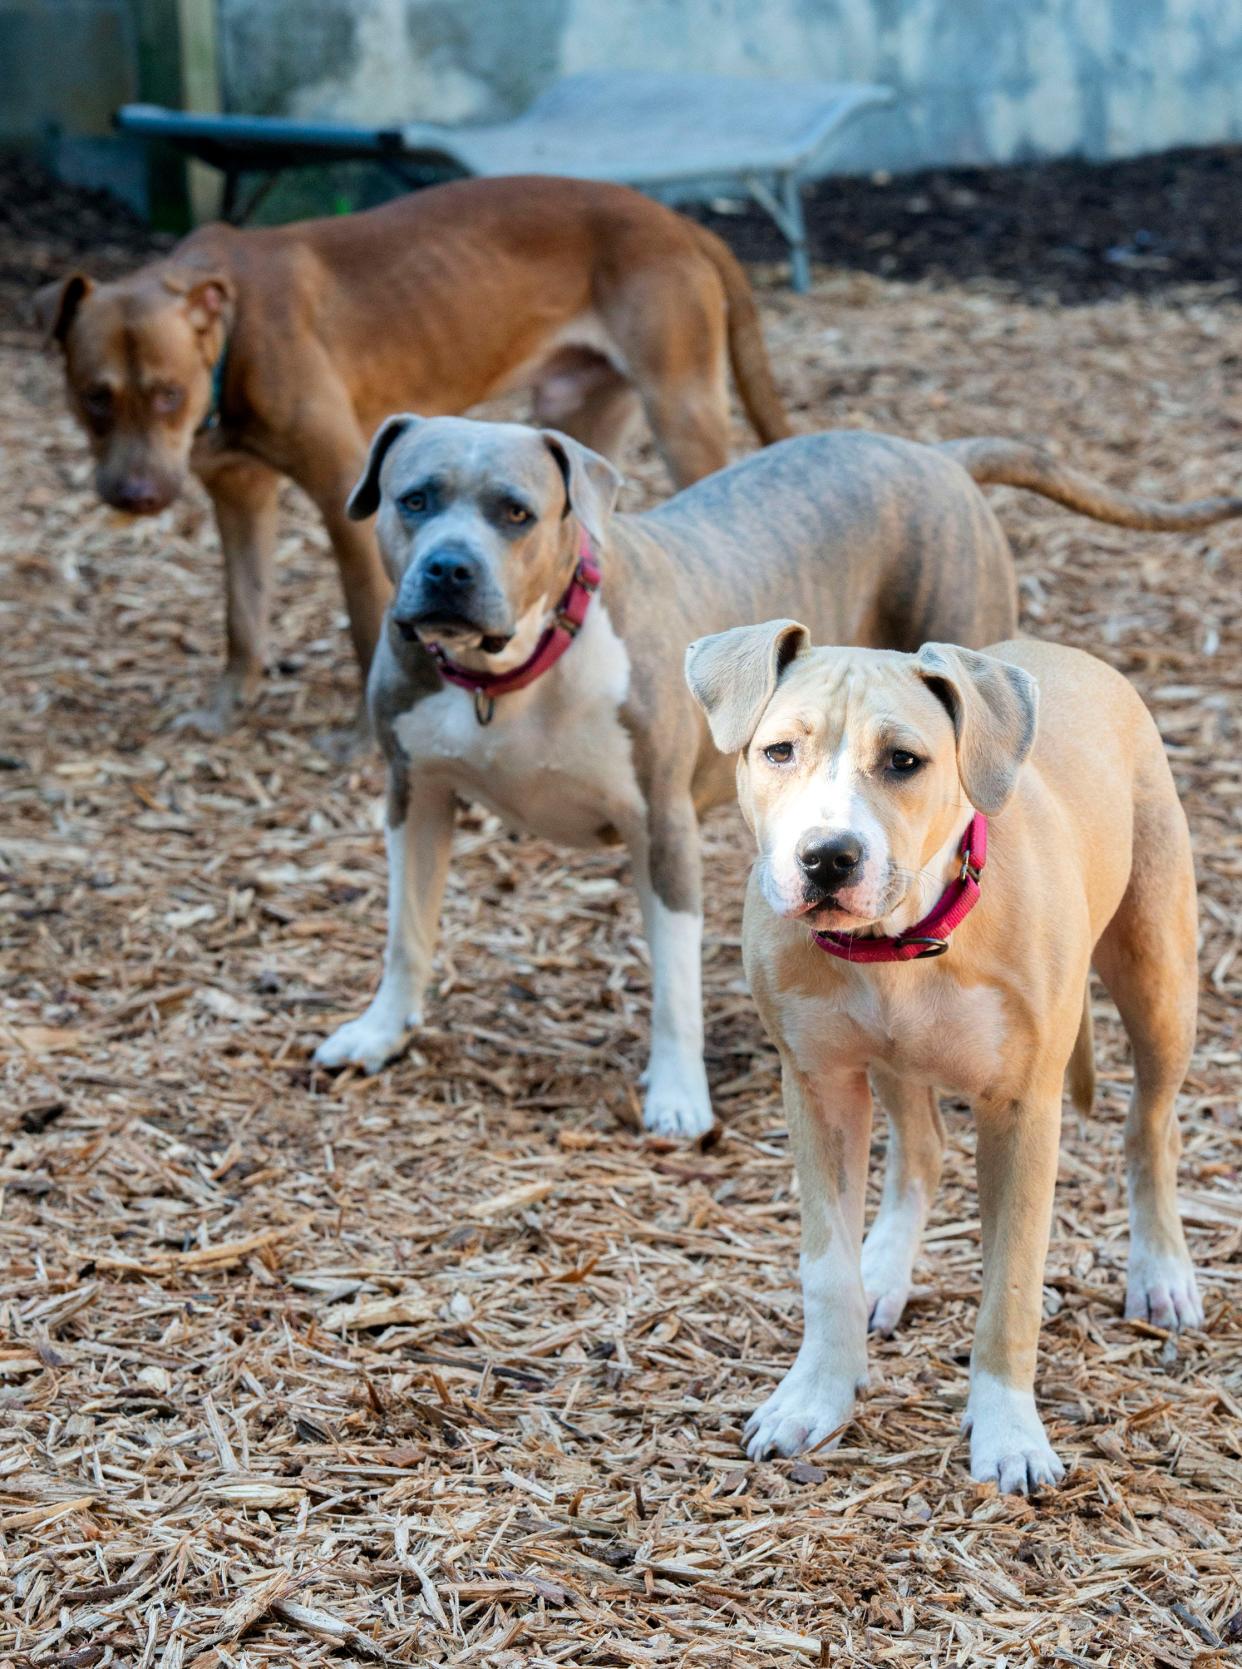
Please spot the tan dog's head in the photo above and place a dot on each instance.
(856, 766)
(478, 523)
(139, 356)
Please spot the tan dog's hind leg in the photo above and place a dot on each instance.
(916, 1143)
(419, 836)
(830, 1129)
(244, 494)
(1017, 1166)
(1146, 958)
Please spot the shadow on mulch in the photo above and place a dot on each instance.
(1071, 231)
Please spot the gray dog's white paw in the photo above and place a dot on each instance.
(209, 722)
(369, 1042)
(1161, 1288)
(1008, 1444)
(677, 1103)
(805, 1408)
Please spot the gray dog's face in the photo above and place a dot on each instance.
(477, 524)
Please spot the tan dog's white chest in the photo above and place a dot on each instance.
(556, 760)
(923, 1024)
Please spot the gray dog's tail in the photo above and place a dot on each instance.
(1012, 463)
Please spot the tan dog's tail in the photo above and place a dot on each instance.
(752, 371)
(1011, 463)
(1081, 1070)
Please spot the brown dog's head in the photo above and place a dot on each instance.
(478, 524)
(857, 766)
(139, 358)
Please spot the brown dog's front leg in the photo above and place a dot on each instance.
(1017, 1166)
(244, 496)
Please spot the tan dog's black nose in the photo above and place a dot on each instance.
(139, 495)
(829, 861)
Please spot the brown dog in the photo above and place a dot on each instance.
(248, 355)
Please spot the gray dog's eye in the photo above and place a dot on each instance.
(778, 753)
(517, 513)
(414, 503)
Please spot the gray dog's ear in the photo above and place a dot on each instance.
(732, 676)
(365, 498)
(993, 706)
(56, 304)
(591, 483)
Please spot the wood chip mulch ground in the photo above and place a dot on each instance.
(449, 1366)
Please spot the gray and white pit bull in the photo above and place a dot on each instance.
(868, 539)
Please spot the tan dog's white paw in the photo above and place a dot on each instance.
(370, 1041)
(677, 1103)
(804, 1409)
(886, 1275)
(209, 722)
(1161, 1288)
(1008, 1444)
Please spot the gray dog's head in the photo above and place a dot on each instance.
(478, 524)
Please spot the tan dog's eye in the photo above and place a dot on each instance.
(903, 762)
(778, 753)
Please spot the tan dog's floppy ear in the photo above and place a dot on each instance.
(591, 483)
(56, 304)
(209, 308)
(733, 675)
(993, 706)
(365, 498)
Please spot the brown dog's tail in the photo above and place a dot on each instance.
(1081, 1070)
(1012, 463)
(752, 371)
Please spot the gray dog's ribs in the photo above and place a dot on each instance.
(992, 461)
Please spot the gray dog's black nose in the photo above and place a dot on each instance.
(829, 860)
(448, 568)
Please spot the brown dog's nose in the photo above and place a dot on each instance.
(829, 860)
(139, 495)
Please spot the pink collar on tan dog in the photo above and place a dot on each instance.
(929, 937)
(571, 611)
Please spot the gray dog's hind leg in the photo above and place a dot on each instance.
(666, 871)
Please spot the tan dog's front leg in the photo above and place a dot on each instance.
(244, 495)
(419, 836)
(830, 1129)
(911, 1176)
(1017, 1170)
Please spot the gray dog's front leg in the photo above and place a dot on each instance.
(419, 836)
(666, 870)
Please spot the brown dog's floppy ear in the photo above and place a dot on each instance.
(56, 304)
(733, 675)
(365, 499)
(591, 483)
(993, 706)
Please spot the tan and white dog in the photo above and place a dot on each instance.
(861, 774)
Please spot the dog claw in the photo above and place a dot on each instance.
(1162, 1289)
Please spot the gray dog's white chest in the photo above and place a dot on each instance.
(556, 760)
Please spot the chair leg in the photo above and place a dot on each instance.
(795, 231)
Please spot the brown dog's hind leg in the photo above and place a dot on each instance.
(244, 495)
(1146, 958)
(916, 1143)
(670, 329)
(581, 394)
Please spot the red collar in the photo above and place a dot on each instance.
(929, 937)
(565, 624)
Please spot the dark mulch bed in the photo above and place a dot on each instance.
(1072, 230)
(1076, 231)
